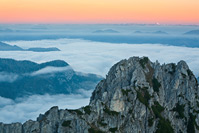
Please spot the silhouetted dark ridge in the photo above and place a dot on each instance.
(13, 66)
(193, 32)
(6, 30)
(37, 49)
(24, 78)
(55, 63)
(160, 32)
(7, 47)
(25, 66)
(106, 31)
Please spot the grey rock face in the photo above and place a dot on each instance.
(136, 96)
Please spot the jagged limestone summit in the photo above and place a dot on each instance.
(137, 96)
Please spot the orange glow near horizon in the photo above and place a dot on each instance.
(100, 11)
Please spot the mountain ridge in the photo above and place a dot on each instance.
(14, 66)
(7, 47)
(106, 31)
(137, 95)
(22, 78)
(192, 32)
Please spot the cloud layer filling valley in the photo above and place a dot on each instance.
(97, 57)
(87, 57)
(30, 107)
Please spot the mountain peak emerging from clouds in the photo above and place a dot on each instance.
(136, 96)
(24, 78)
(192, 32)
(106, 31)
(7, 47)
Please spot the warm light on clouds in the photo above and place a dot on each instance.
(99, 11)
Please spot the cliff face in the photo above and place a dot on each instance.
(136, 96)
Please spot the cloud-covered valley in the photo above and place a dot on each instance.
(23, 109)
(87, 57)
(97, 57)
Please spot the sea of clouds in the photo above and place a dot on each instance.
(97, 57)
(23, 109)
(87, 57)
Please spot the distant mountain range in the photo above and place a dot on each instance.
(23, 78)
(7, 47)
(106, 31)
(6, 30)
(38, 49)
(160, 32)
(192, 32)
(156, 32)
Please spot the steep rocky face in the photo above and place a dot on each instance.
(136, 96)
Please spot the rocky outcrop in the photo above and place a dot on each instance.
(136, 96)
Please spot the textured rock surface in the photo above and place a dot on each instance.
(136, 96)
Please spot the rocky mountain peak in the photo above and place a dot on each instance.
(137, 96)
(163, 82)
(137, 85)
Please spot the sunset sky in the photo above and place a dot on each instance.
(100, 11)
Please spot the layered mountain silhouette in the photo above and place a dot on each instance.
(159, 32)
(7, 47)
(192, 32)
(23, 78)
(106, 31)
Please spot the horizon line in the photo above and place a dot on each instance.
(157, 24)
